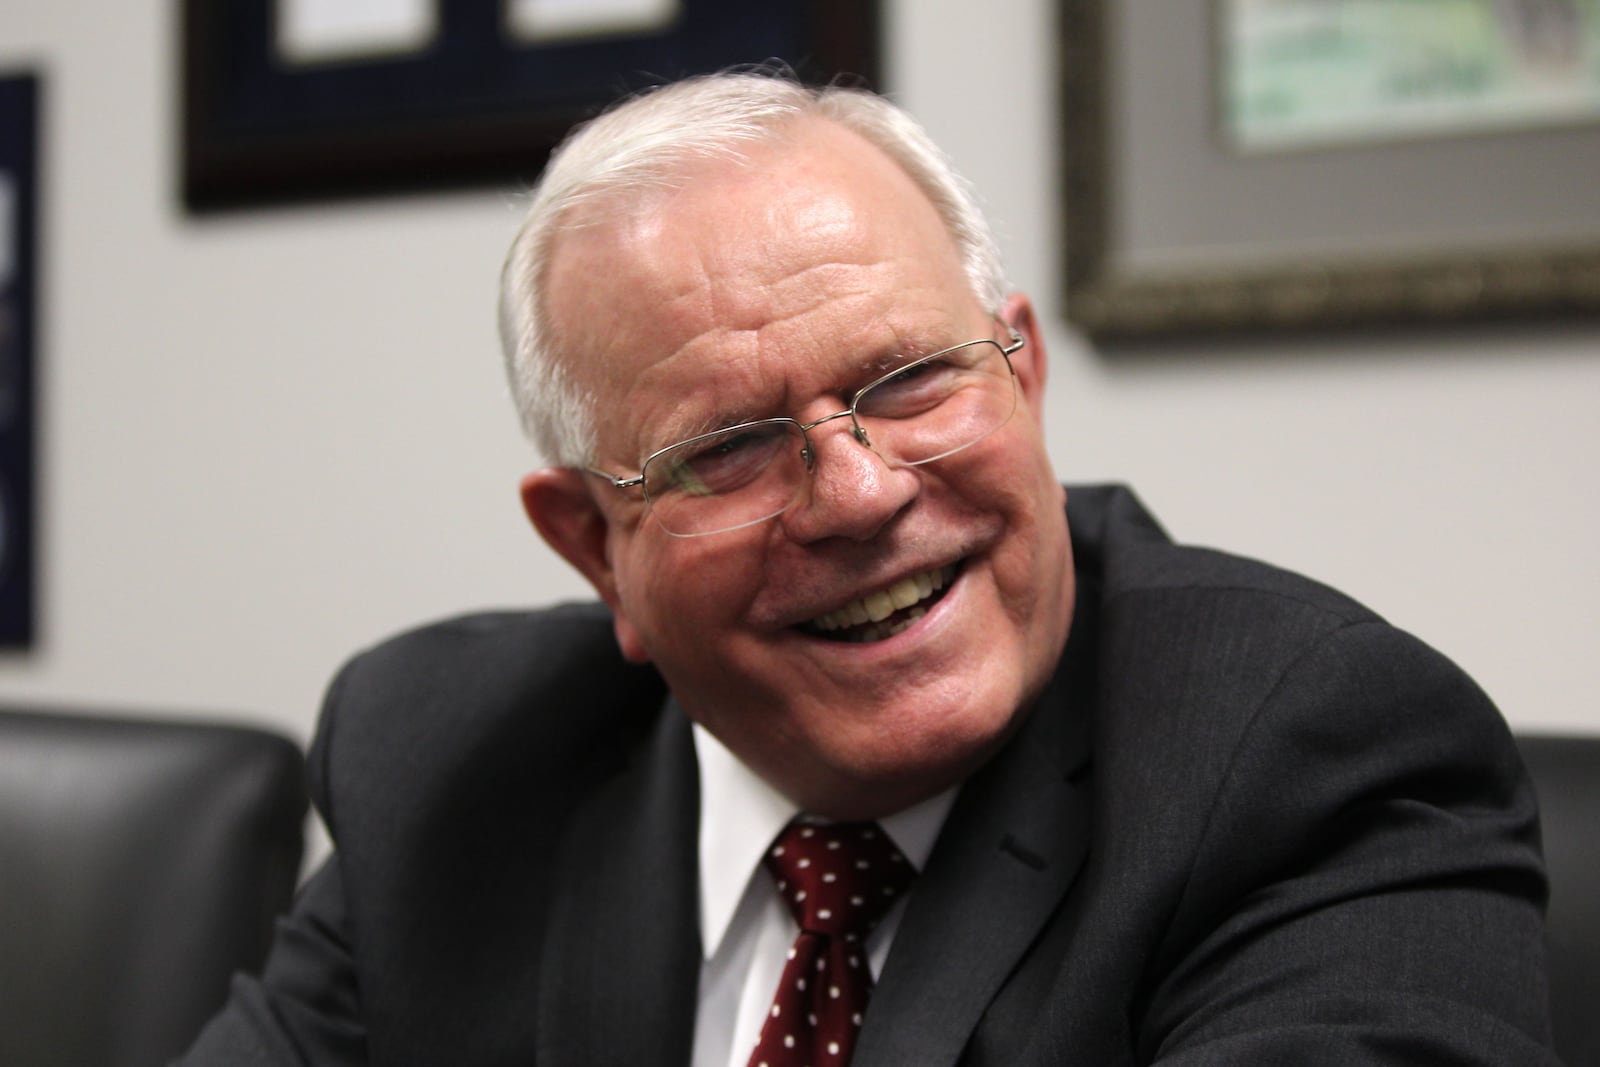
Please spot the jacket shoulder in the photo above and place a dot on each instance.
(480, 697)
(1122, 551)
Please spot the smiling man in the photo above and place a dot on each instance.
(883, 748)
(778, 284)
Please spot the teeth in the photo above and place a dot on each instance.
(904, 593)
(879, 630)
(875, 607)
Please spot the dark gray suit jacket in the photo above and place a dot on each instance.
(1249, 822)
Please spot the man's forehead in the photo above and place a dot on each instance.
(776, 200)
(820, 198)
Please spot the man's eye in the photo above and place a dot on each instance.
(730, 448)
(724, 463)
(913, 390)
(910, 375)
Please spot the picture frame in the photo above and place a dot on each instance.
(1171, 235)
(468, 101)
(20, 109)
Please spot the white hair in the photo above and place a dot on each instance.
(639, 145)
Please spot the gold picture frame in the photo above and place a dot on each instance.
(1168, 233)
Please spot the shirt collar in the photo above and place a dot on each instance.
(740, 814)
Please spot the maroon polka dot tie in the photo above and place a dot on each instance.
(839, 880)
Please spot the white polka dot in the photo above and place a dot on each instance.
(833, 1048)
(821, 964)
(857, 901)
(803, 864)
(791, 953)
(855, 961)
(777, 850)
(833, 991)
(824, 913)
(788, 1041)
(856, 1018)
(812, 1019)
(833, 846)
(808, 831)
(776, 1011)
(799, 896)
(830, 877)
(862, 865)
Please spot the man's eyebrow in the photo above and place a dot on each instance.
(679, 430)
(908, 351)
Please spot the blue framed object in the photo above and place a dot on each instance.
(19, 301)
(475, 105)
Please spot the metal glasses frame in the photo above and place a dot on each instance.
(808, 452)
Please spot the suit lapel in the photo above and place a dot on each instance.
(621, 965)
(1012, 846)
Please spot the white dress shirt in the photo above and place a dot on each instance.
(745, 928)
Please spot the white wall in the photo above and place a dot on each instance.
(270, 438)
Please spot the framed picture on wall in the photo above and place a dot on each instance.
(19, 303)
(303, 99)
(1257, 165)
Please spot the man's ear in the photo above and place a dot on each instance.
(562, 508)
(1031, 362)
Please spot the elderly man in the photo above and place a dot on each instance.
(866, 758)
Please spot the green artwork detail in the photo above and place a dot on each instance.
(1299, 73)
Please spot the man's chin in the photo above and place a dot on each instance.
(898, 753)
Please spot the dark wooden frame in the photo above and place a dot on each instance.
(1113, 301)
(473, 109)
(20, 152)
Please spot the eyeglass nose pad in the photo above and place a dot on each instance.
(860, 432)
(808, 456)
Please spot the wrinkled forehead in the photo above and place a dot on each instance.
(817, 230)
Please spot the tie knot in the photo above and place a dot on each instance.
(838, 879)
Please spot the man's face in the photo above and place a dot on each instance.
(779, 287)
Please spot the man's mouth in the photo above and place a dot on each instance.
(884, 613)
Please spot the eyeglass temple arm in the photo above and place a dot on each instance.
(616, 481)
(1017, 340)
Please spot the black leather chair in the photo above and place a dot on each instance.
(1566, 774)
(141, 864)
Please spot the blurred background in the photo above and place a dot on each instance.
(270, 437)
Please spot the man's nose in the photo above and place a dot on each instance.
(852, 493)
